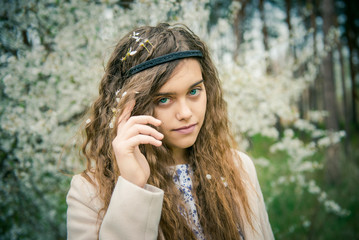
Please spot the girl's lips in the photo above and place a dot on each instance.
(186, 129)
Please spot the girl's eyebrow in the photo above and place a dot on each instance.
(171, 93)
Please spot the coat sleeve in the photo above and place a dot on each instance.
(82, 210)
(261, 212)
(133, 212)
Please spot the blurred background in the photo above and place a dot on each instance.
(289, 71)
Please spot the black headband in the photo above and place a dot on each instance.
(163, 59)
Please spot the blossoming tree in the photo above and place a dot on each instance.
(52, 60)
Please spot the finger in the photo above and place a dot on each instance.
(143, 119)
(144, 130)
(143, 139)
(126, 114)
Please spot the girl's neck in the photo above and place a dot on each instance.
(179, 156)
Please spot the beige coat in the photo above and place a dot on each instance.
(134, 212)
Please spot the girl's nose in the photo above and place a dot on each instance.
(184, 111)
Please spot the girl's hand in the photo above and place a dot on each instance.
(131, 132)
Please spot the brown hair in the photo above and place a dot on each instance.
(222, 210)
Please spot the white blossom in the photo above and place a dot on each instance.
(44, 92)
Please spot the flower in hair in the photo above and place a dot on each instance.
(117, 98)
(224, 182)
(208, 176)
(88, 121)
(129, 53)
(115, 112)
(134, 36)
(143, 45)
(148, 41)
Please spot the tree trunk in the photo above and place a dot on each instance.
(315, 96)
(313, 23)
(269, 69)
(332, 164)
(288, 7)
(345, 112)
(351, 36)
(238, 28)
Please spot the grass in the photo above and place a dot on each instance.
(295, 213)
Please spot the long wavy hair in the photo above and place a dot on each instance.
(222, 210)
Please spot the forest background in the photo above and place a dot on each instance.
(289, 71)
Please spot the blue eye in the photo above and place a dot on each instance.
(163, 100)
(194, 92)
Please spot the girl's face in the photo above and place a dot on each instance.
(181, 105)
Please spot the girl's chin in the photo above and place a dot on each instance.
(182, 146)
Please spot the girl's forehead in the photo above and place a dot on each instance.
(186, 73)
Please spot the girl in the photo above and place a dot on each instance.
(161, 162)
